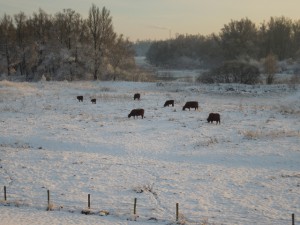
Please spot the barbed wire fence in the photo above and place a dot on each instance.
(131, 209)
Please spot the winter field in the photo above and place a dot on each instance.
(244, 171)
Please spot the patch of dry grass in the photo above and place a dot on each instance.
(273, 134)
(109, 97)
(17, 85)
(293, 110)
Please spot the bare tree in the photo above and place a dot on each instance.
(20, 20)
(102, 35)
(279, 33)
(121, 55)
(42, 26)
(65, 26)
(239, 38)
(68, 27)
(6, 39)
(296, 39)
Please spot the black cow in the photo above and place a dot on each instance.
(137, 96)
(136, 113)
(80, 98)
(93, 101)
(189, 105)
(169, 102)
(214, 117)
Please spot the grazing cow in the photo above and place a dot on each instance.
(93, 101)
(137, 96)
(80, 98)
(190, 105)
(214, 117)
(169, 102)
(136, 113)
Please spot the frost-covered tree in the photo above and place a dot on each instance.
(102, 34)
(239, 38)
(278, 35)
(121, 56)
(22, 41)
(7, 44)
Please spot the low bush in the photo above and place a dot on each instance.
(232, 72)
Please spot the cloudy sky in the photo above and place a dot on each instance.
(161, 19)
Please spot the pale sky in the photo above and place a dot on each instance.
(162, 19)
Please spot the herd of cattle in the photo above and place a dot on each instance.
(188, 105)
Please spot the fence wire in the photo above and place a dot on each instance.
(123, 210)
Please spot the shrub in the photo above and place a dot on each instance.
(232, 72)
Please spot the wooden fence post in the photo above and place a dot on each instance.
(48, 194)
(134, 206)
(177, 211)
(49, 208)
(4, 193)
(293, 219)
(89, 201)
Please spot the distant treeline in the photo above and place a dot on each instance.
(237, 40)
(64, 46)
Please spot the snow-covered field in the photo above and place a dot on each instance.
(244, 171)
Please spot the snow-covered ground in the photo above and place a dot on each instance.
(244, 171)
